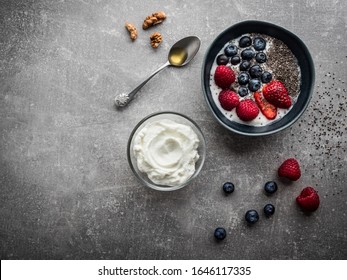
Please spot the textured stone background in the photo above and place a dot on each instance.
(67, 191)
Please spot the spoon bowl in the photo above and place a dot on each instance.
(183, 51)
(180, 54)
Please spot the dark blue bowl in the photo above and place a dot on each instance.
(297, 47)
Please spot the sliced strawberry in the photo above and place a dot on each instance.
(268, 110)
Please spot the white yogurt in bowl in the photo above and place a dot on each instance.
(166, 151)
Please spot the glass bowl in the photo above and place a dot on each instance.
(181, 119)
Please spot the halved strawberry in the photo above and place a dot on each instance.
(276, 93)
(268, 110)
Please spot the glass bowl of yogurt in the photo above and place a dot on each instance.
(166, 151)
(260, 55)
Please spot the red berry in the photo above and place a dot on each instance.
(224, 76)
(276, 93)
(268, 110)
(290, 169)
(228, 99)
(308, 199)
(247, 110)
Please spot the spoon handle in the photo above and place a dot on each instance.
(124, 99)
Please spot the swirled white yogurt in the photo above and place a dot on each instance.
(166, 151)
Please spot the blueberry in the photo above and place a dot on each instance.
(230, 50)
(235, 60)
(260, 57)
(245, 41)
(252, 216)
(269, 210)
(222, 59)
(247, 54)
(266, 77)
(255, 71)
(254, 85)
(243, 91)
(244, 66)
(220, 233)
(270, 187)
(259, 43)
(228, 188)
(243, 78)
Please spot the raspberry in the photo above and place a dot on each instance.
(228, 99)
(308, 199)
(224, 76)
(290, 169)
(247, 110)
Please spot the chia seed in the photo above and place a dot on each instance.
(283, 65)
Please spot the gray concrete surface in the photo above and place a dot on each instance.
(67, 191)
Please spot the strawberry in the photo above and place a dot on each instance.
(308, 199)
(247, 110)
(228, 99)
(268, 110)
(224, 76)
(276, 93)
(290, 169)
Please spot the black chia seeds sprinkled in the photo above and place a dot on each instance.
(283, 65)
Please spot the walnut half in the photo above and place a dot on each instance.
(153, 19)
(132, 30)
(156, 39)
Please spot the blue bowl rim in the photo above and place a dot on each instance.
(309, 61)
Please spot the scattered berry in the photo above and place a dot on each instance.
(267, 109)
(230, 50)
(220, 233)
(270, 187)
(252, 216)
(269, 210)
(276, 93)
(290, 169)
(259, 44)
(243, 78)
(260, 57)
(308, 199)
(235, 60)
(247, 54)
(254, 85)
(228, 99)
(255, 71)
(243, 91)
(228, 187)
(247, 110)
(222, 59)
(266, 77)
(244, 66)
(224, 76)
(245, 41)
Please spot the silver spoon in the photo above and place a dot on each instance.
(181, 53)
